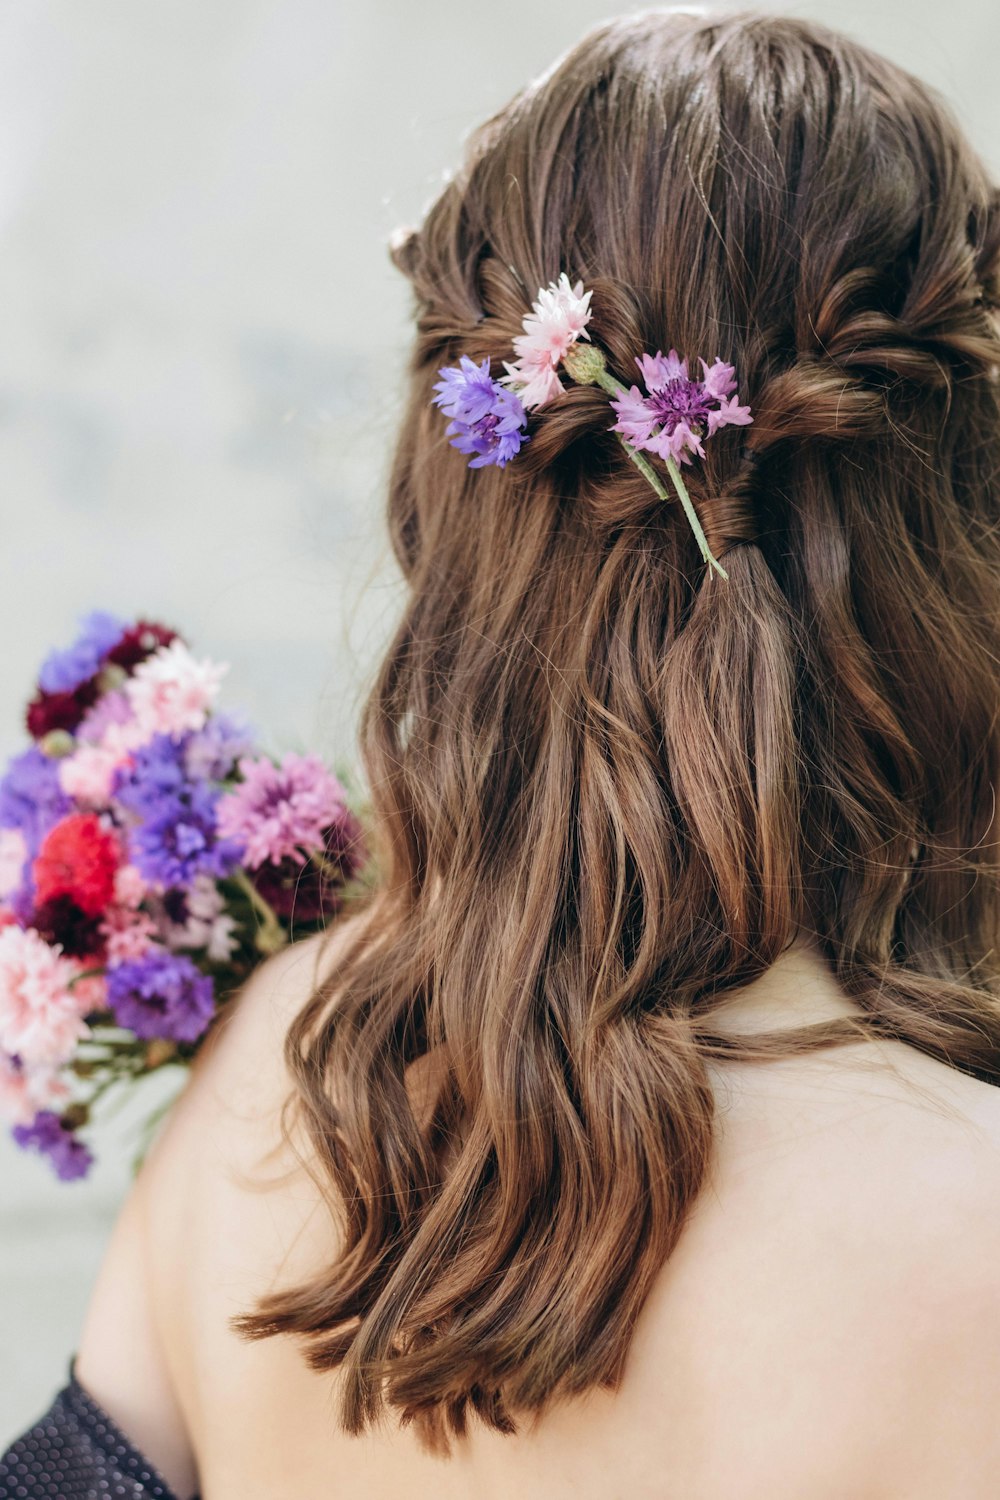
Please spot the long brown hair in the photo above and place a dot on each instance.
(608, 786)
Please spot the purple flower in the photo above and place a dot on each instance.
(180, 840)
(486, 419)
(63, 670)
(276, 812)
(161, 994)
(677, 412)
(175, 835)
(211, 753)
(50, 1136)
(32, 801)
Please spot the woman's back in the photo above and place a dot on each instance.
(827, 1326)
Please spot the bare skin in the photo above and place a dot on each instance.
(827, 1329)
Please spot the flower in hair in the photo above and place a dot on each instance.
(672, 420)
(486, 420)
(557, 319)
(677, 412)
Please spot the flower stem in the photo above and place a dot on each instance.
(614, 387)
(270, 934)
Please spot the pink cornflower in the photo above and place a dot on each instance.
(40, 1018)
(677, 412)
(170, 692)
(558, 318)
(127, 934)
(87, 774)
(276, 812)
(130, 887)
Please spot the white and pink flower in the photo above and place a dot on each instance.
(557, 319)
(13, 854)
(171, 692)
(24, 1091)
(40, 1019)
(88, 773)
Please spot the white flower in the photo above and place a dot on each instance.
(170, 692)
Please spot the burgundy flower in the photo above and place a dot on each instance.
(138, 642)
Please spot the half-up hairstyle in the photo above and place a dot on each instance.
(610, 786)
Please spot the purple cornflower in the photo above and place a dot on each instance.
(161, 994)
(64, 669)
(48, 1135)
(154, 772)
(31, 797)
(677, 412)
(175, 835)
(486, 419)
(179, 840)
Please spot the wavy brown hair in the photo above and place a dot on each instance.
(608, 786)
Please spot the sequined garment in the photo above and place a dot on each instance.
(76, 1452)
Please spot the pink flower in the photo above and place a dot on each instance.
(87, 774)
(130, 887)
(170, 692)
(25, 1091)
(13, 853)
(127, 934)
(112, 708)
(677, 412)
(278, 811)
(40, 1017)
(558, 318)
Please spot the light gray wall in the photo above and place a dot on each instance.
(199, 330)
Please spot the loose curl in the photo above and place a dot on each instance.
(609, 787)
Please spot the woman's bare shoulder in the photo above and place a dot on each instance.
(837, 1287)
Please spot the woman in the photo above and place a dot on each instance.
(642, 1133)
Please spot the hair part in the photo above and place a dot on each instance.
(609, 787)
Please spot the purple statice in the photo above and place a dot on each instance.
(486, 419)
(162, 994)
(31, 798)
(48, 1135)
(65, 669)
(677, 412)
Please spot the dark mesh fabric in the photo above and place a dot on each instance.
(76, 1452)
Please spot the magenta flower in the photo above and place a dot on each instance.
(677, 412)
(278, 811)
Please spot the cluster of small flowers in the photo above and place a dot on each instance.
(149, 853)
(489, 415)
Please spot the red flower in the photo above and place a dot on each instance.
(78, 859)
(137, 643)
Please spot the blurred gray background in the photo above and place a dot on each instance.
(200, 344)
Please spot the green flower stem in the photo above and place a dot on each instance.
(586, 366)
(270, 934)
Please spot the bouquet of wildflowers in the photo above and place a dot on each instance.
(150, 853)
